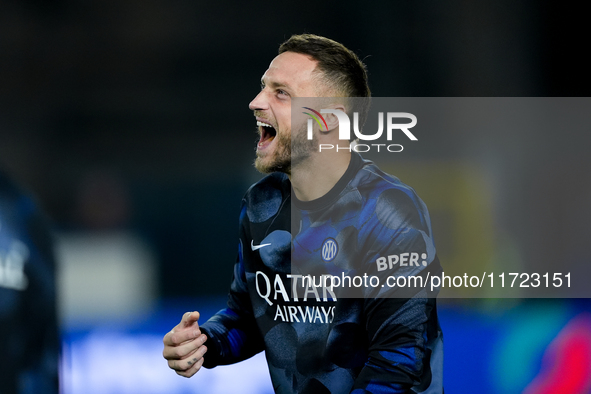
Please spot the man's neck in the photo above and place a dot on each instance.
(316, 176)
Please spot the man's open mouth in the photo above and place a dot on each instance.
(267, 133)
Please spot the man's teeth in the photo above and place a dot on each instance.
(263, 124)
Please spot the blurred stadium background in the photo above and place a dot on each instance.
(128, 121)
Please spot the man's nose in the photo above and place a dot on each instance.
(259, 102)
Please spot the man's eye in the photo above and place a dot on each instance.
(282, 92)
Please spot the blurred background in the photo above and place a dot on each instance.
(128, 121)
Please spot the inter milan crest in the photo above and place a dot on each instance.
(329, 249)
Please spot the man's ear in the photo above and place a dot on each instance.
(331, 119)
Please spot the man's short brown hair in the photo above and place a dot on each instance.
(341, 69)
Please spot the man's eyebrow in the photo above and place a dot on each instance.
(274, 84)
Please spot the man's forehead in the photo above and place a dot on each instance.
(290, 68)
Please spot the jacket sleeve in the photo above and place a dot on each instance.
(232, 333)
(28, 319)
(401, 346)
(401, 317)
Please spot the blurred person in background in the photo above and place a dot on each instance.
(315, 343)
(29, 339)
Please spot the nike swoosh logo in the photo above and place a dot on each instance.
(253, 247)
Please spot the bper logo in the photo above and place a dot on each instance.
(345, 128)
(329, 249)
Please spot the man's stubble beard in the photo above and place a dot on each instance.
(289, 153)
